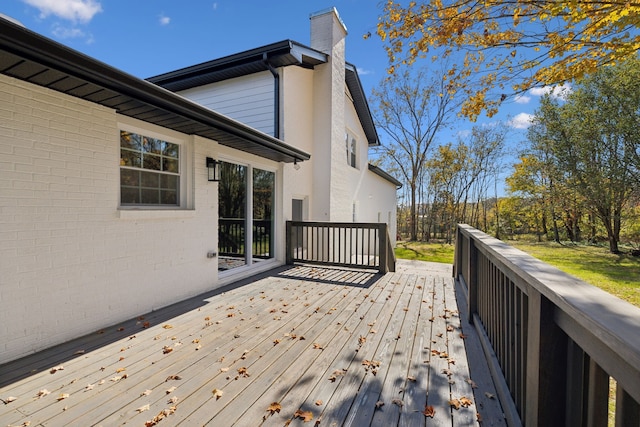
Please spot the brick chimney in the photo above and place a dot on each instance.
(328, 34)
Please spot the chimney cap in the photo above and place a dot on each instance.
(326, 11)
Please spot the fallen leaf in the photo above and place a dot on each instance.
(89, 387)
(243, 372)
(62, 396)
(217, 393)
(273, 408)
(472, 383)
(489, 395)
(337, 373)
(173, 377)
(143, 408)
(8, 400)
(79, 352)
(120, 370)
(398, 402)
(304, 415)
(318, 346)
(170, 390)
(166, 349)
(145, 393)
(411, 378)
(454, 403)
(479, 417)
(276, 341)
(173, 399)
(167, 326)
(450, 328)
(465, 401)
(463, 336)
(43, 392)
(56, 369)
(429, 411)
(379, 404)
(319, 402)
(115, 379)
(145, 325)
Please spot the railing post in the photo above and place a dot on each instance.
(288, 243)
(382, 250)
(627, 409)
(472, 279)
(546, 379)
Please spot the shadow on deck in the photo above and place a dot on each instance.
(333, 345)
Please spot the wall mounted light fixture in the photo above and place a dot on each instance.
(213, 171)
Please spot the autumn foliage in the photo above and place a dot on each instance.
(509, 46)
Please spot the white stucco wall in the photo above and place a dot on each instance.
(71, 262)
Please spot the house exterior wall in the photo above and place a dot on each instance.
(71, 261)
(297, 130)
(247, 99)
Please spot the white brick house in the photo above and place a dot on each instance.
(106, 211)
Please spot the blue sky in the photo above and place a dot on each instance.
(146, 38)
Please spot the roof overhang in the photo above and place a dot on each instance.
(361, 104)
(280, 54)
(30, 57)
(382, 174)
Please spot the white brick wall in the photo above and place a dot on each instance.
(70, 261)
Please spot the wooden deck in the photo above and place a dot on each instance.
(338, 347)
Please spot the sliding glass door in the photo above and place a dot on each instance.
(246, 207)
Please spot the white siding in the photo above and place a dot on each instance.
(247, 99)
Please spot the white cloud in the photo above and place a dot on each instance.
(363, 72)
(164, 20)
(521, 121)
(522, 99)
(72, 10)
(558, 92)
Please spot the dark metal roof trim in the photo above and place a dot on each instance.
(385, 175)
(280, 54)
(30, 57)
(361, 104)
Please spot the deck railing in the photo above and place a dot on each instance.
(231, 237)
(346, 244)
(552, 341)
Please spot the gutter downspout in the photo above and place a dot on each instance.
(276, 96)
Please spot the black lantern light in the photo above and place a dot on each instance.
(213, 172)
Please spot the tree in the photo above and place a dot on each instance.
(519, 43)
(595, 138)
(411, 109)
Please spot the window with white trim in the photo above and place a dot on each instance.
(150, 171)
(352, 146)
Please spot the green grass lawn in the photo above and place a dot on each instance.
(616, 274)
(433, 252)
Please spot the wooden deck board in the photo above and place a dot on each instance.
(302, 333)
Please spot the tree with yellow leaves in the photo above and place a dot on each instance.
(508, 47)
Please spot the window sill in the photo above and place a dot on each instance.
(156, 214)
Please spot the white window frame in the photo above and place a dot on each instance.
(185, 143)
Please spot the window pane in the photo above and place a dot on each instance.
(151, 145)
(263, 196)
(170, 165)
(169, 182)
(129, 196)
(170, 149)
(150, 197)
(169, 197)
(150, 180)
(130, 158)
(232, 201)
(129, 177)
(151, 162)
(130, 140)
